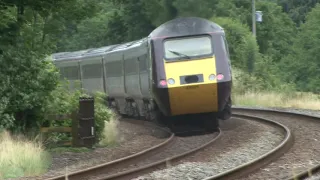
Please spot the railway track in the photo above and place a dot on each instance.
(122, 167)
(261, 161)
(302, 160)
(311, 174)
(131, 165)
(158, 157)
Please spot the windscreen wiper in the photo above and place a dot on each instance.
(179, 54)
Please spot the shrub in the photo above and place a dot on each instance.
(64, 101)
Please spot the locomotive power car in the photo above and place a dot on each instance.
(182, 67)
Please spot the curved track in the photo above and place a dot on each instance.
(125, 160)
(305, 129)
(119, 168)
(306, 174)
(122, 168)
(262, 160)
(129, 169)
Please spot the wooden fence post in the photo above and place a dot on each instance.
(86, 122)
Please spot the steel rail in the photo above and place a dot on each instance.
(121, 161)
(263, 160)
(156, 165)
(304, 174)
(242, 170)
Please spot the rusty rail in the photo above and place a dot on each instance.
(263, 160)
(156, 165)
(304, 174)
(239, 171)
(116, 163)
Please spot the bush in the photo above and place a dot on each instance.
(64, 101)
(27, 81)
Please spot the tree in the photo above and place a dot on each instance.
(276, 33)
(243, 48)
(302, 65)
(29, 33)
(298, 9)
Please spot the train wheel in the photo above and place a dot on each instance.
(211, 122)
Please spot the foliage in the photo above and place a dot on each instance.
(242, 45)
(28, 82)
(298, 9)
(64, 101)
(29, 31)
(276, 33)
(302, 65)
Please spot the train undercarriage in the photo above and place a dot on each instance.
(150, 112)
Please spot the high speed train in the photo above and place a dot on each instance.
(181, 68)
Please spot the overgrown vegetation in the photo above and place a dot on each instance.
(248, 91)
(64, 101)
(21, 157)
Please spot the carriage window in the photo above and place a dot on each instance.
(114, 69)
(131, 66)
(188, 47)
(143, 63)
(92, 71)
(71, 72)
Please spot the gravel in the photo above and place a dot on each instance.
(305, 152)
(241, 142)
(133, 139)
(180, 145)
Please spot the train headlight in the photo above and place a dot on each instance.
(212, 77)
(171, 81)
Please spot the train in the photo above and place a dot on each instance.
(181, 68)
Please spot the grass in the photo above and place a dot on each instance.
(110, 131)
(248, 90)
(21, 157)
(272, 99)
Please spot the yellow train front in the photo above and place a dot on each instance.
(191, 71)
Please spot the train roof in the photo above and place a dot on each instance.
(69, 55)
(177, 27)
(185, 26)
(96, 51)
